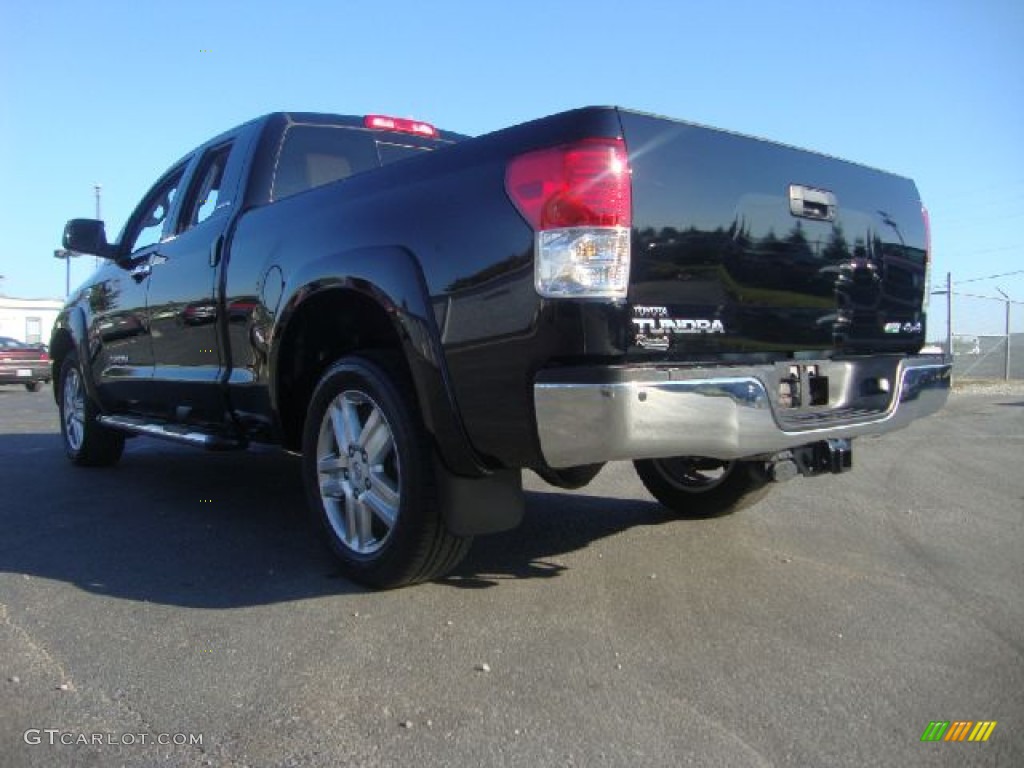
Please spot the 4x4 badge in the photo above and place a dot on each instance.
(903, 327)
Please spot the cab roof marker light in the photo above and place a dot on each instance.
(400, 125)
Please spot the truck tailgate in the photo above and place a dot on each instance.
(746, 246)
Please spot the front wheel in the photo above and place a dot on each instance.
(696, 487)
(86, 442)
(370, 478)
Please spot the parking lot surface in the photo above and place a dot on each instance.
(183, 594)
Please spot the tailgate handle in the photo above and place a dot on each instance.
(811, 203)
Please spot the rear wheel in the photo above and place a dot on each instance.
(696, 487)
(570, 478)
(370, 478)
(34, 386)
(86, 442)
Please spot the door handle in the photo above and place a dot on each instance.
(215, 250)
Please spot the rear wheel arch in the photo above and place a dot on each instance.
(325, 327)
(388, 283)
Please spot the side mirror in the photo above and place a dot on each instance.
(88, 236)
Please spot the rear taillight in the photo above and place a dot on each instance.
(401, 125)
(577, 199)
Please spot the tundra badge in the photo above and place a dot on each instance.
(654, 327)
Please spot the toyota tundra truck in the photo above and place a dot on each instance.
(422, 316)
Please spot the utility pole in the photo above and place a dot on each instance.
(949, 314)
(99, 217)
(1006, 369)
(62, 253)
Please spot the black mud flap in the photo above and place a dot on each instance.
(478, 506)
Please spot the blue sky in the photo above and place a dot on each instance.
(114, 92)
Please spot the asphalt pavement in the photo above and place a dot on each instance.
(179, 610)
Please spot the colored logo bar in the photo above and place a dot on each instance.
(958, 730)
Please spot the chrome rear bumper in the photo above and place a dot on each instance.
(724, 413)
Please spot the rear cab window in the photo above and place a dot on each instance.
(313, 155)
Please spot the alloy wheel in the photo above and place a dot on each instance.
(74, 410)
(358, 472)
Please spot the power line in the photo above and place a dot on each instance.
(990, 277)
(1000, 299)
(988, 215)
(1011, 186)
(1000, 249)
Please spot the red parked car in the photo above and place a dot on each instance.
(22, 363)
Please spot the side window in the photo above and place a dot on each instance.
(148, 222)
(205, 193)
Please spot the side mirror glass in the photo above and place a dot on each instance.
(88, 236)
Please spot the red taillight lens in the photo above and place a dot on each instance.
(579, 185)
(401, 125)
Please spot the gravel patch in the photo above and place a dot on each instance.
(988, 387)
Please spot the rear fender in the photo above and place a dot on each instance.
(391, 277)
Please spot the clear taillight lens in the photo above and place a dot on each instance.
(577, 199)
(583, 261)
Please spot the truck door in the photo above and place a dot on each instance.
(183, 303)
(122, 362)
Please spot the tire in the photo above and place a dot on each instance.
(570, 478)
(369, 473)
(86, 442)
(695, 487)
(34, 386)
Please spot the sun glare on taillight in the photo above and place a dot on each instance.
(577, 198)
(401, 125)
(578, 185)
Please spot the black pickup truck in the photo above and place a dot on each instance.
(422, 315)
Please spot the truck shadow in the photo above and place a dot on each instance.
(555, 523)
(167, 525)
(177, 526)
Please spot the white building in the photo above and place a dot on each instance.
(28, 320)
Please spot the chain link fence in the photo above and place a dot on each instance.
(984, 333)
(984, 357)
